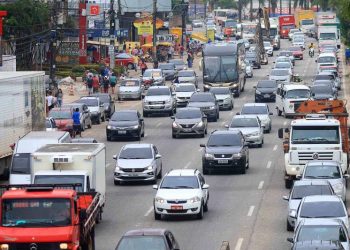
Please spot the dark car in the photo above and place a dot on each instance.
(148, 238)
(265, 90)
(207, 102)
(189, 121)
(253, 59)
(107, 102)
(125, 123)
(169, 70)
(322, 92)
(179, 64)
(225, 150)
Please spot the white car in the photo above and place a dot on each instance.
(262, 111)
(301, 189)
(327, 60)
(183, 93)
(284, 65)
(330, 171)
(280, 75)
(284, 59)
(322, 206)
(299, 41)
(248, 69)
(268, 48)
(291, 32)
(224, 97)
(181, 192)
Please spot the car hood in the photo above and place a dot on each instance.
(188, 121)
(247, 130)
(122, 124)
(286, 77)
(184, 94)
(134, 163)
(178, 194)
(322, 96)
(129, 89)
(187, 79)
(180, 67)
(223, 150)
(200, 104)
(266, 90)
(222, 97)
(268, 48)
(157, 98)
(94, 108)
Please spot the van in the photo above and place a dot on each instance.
(289, 97)
(20, 170)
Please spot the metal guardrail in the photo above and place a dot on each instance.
(225, 245)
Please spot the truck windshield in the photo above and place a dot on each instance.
(273, 31)
(20, 164)
(36, 212)
(298, 93)
(60, 179)
(315, 135)
(142, 242)
(328, 36)
(221, 68)
(307, 22)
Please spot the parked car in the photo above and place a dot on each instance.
(153, 77)
(169, 70)
(225, 150)
(189, 121)
(85, 115)
(50, 124)
(63, 118)
(183, 93)
(107, 102)
(181, 192)
(187, 76)
(131, 88)
(179, 64)
(224, 97)
(262, 111)
(96, 108)
(207, 102)
(265, 90)
(138, 162)
(159, 99)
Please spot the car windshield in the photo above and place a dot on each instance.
(90, 102)
(285, 53)
(185, 88)
(322, 89)
(322, 232)
(124, 116)
(282, 65)
(152, 73)
(307, 22)
(298, 39)
(220, 91)
(177, 62)
(322, 171)
(180, 182)
(295, 49)
(266, 84)
(326, 59)
(158, 91)
(224, 140)
(230, 23)
(60, 179)
(322, 209)
(324, 77)
(244, 122)
(202, 98)
(104, 98)
(293, 30)
(267, 44)
(136, 153)
(246, 110)
(60, 115)
(188, 114)
(130, 83)
(251, 56)
(279, 72)
(315, 135)
(186, 73)
(167, 66)
(220, 68)
(36, 212)
(301, 191)
(298, 93)
(141, 243)
(328, 36)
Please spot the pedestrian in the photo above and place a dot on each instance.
(89, 84)
(95, 83)
(76, 123)
(182, 51)
(113, 81)
(143, 66)
(105, 84)
(59, 98)
(189, 59)
(347, 56)
(124, 46)
(50, 100)
(169, 53)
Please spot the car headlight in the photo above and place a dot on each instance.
(338, 187)
(150, 167)
(235, 85)
(117, 168)
(4, 247)
(111, 127)
(194, 199)
(64, 246)
(135, 127)
(237, 155)
(212, 107)
(159, 200)
(208, 156)
(258, 92)
(175, 125)
(200, 124)
(227, 100)
(292, 213)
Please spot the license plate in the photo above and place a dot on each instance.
(222, 161)
(122, 132)
(187, 130)
(266, 96)
(176, 207)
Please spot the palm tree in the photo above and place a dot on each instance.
(240, 5)
(301, 3)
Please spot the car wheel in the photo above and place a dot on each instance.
(160, 174)
(205, 208)
(116, 182)
(215, 119)
(174, 136)
(243, 169)
(83, 126)
(260, 145)
(103, 118)
(99, 119)
(259, 67)
(143, 133)
(144, 114)
(289, 227)
(231, 107)
(130, 66)
(206, 131)
(201, 213)
(109, 138)
(288, 183)
(156, 215)
(202, 135)
(279, 112)
(247, 164)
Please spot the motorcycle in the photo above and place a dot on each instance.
(311, 52)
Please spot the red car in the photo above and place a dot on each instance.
(63, 118)
(297, 52)
(123, 59)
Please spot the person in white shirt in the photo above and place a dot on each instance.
(50, 100)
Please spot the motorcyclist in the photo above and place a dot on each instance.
(311, 46)
(311, 49)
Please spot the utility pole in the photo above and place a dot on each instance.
(154, 23)
(205, 17)
(2, 14)
(251, 10)
(195, 9)
(53, 44)
(290, 7)
(183, 22)
(111, 35)
(280, 7)
(119, 15)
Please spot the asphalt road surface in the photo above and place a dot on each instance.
(246, 210)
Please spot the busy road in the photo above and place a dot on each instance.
(246, 210)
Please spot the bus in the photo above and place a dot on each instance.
(223, 66)
(221, 15)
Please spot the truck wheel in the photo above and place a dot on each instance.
(99, 216)
(288, 183)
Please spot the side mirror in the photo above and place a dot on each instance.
(158, 156)
(205, 186)
(290, 240)
(172, 117)
(226, 126)
(115, 157)
(140, 75)
(285, 197)
(267, 75)
(238, 113)
(298, 176)
(346, 176)
(280, 133)
(155, 187)
(202, 145)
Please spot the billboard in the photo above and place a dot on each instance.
(145, 5)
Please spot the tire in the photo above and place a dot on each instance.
(215, 119)
(130, 66)
(205, 207)
(116, 182)
(288, 183)
(144, 114)
(202, 135)
(143, 133)
(157, 216)
(205, 170)
(260, 145)
(160, 174)
(206, 131)
(243, 169)
(174, 136)
(109, 138)
(201, 213)
(231, 107)
(289, 227)
(279, 112)
(103, 118)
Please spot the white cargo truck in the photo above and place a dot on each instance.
(83, 163)
(22, 109)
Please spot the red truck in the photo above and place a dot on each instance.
(285, 24)
(44, 217)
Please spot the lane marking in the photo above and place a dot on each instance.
(223, 123)
(239, 244)
(285, 123)
(146, 135)
(150, 210)
(275, 147)
(158, 124)
(269, 163)
(250, 211)
(261, 184)
(188, 164)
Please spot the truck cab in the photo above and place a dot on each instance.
(289, 97)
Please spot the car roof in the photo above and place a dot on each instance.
(134, 145)
(265, 81)
(327, 54)
(308, 182)
(245, 116)
(321, 198)
(126, 111)
(188, 108)
(146, 232)
(321, 163)
(295, 86)
(182, 172)
(226, 132)
(255, 105)
(322, 221)
(131, 79)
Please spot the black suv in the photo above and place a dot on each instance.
(225, 150)
(265, 90)
(254, 59)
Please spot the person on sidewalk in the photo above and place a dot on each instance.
(59, 98)
(143, 66)
(95, 83)
(189, 59)
(89, 84)
(347, 56)
(113, 81)
(105, 84)
(76, 123)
